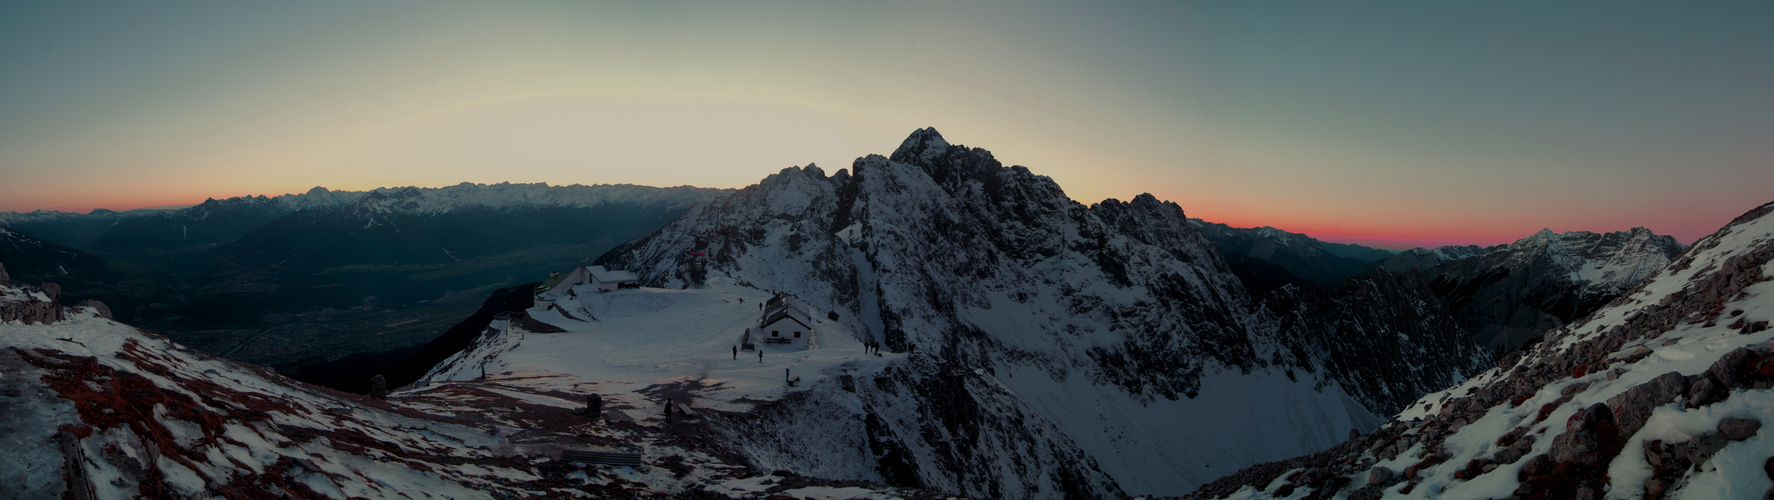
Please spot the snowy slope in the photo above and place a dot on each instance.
(1117, 324)
(127, 413)
(1660, 394)
(98, 409)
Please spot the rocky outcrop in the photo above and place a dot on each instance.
(32, 305)
(40, 304)
(1712, 296)
(98, 308)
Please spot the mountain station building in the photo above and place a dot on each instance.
(785, 321)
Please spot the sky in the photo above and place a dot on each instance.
(1392, 124)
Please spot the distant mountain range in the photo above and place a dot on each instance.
(308, 278)
(1512, 294)
(1305, 259)
(1504, 295)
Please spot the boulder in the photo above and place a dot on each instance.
(1634, 405)
(1380, 476)
(1540, 465)
(1586, 437)
(97, 307)
(52, 290)
(1702, 392)
(1739, 429)
(1724, 371)
(4, 278)
(1507, 455)
(1701, 448)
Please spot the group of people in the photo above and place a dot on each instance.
(736, 354)
(871, 347)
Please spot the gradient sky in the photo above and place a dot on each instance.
(1388, 123)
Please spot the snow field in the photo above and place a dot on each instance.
(653, 336)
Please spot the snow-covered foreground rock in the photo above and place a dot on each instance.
(98, 409)
(1661, 394)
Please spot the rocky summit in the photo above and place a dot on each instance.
(1118, 323)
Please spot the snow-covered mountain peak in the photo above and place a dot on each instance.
(923, 145)
(1608, 263)
(1111, 322)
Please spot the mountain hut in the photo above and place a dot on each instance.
(785, 321)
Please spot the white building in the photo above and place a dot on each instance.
(611, 279)
(561, 285)
(785, 321)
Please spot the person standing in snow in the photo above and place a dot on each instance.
(735, 352)
(760, 356)
(379, 386)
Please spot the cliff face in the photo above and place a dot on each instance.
(1384, 334)
(1659, 394)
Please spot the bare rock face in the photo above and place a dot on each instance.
(3, 276)
(30, 312)
(52, 290)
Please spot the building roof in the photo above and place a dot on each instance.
(612, 276)
(551, 283)
(560, 283)
(783, 302)
(779, 315)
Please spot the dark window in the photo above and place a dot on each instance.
(797, 335)
(774, 333)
